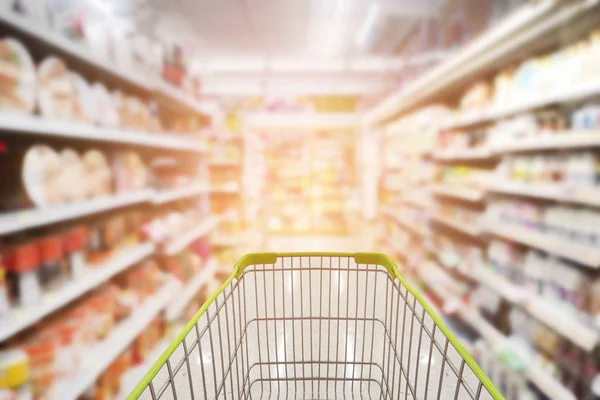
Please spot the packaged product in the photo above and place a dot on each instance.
(72, 181)
(30, 177)
(41, 349)
(14, 368)
(103, 304)
(56, 91)
(53, 270)
(74, 246)
(97, 174)
(23, 270)
(107, 114)
(17, 77)
(85, 104)
(129, 172)
(69, 344)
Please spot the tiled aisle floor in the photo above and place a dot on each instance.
(316, 308)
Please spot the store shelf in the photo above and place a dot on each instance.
(231, 187)
(179, 193)
(101, 355)
(79, 51)
(399, 218)
(550, 141)
(31, 218)
(180, 243)
(504, 42)
(24, 124)
(573, 93)
(558, 192)
(549, 385)
(134, 375)
(462, 193)
(463, 154)
(177, 95)
(566, 324)
(23, 317)
(587, 256)
(471, 230)
(189, 291)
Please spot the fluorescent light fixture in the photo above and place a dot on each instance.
(369, 30)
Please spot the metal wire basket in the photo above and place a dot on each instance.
(322, 325)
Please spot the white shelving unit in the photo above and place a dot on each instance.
(463, 154)
(525, 33)
(180, 193)
(74, 49)
(31, 218)
(471, 230)
(549, 385)
(22, 318)
(397, 216)
(562, 321)
(101, 355)
(182, 241)
(23, 124)
(558, 95)
(550, 141)
(85, 55)
(587, 256)
(191, 288)
(462, 193)
(563, 193)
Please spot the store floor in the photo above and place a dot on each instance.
(317, 328)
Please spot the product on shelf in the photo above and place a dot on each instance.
(454, 254)
(576, 225)
(129, 172)
(22, 275)
(577, 169)
(461, 140)
(57, 96)
(18, 77)
(38, 176)
(86, 107)
(104, 102)
(476, 97)
(561, 283)
(98, 173)
(458, 214)
(462, 175)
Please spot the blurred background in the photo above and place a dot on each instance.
(145, 145)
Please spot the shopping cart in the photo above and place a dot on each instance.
(315, 325)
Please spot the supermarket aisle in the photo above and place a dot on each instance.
(322, 309)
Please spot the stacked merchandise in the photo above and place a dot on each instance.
(227, 201)
(288, 182)
(255, 171)
(104, 207)
(332, 179)
(514, 210)
(311, 179)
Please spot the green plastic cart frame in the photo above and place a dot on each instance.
(315, 325)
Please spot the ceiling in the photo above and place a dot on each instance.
(324, 28)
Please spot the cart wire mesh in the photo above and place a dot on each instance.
(318, 326)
